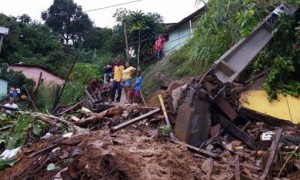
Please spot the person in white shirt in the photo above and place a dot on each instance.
(11, 104)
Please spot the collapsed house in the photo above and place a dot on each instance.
(205, 129)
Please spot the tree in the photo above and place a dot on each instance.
(67, 19)
(142, 28)
(25, 18)
(96, 37)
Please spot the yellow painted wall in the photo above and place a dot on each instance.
(257, 100)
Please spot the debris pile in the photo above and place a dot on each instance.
(208, 128)
(102, 146)
(209, 114)
(213, 140)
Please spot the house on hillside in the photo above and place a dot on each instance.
(3, 88)
(178, 33)
(34, 72)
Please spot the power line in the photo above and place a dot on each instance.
(111, 6)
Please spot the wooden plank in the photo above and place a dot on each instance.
(226, 107)
(165, 115)
(274, 148)
(237, 171)
(134, 120)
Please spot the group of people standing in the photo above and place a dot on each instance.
(120, 77)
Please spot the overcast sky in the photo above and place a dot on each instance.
(171, 10)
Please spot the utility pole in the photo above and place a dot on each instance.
(126, 41)
(138, 57)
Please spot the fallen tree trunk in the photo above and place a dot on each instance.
(118, 110)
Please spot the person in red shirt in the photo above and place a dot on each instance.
(95, 88)
(159, 47)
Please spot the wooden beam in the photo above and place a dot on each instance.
(237, 132)
(134, 120)
(274, 148)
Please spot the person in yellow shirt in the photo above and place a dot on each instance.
(116, 86)
(127, 80)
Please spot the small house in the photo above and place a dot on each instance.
(34, 72)
(177, 34)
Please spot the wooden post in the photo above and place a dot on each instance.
(237, 171)
(165, 115)
(274, 148)
(126, 42)
(56, 101)
(35, 93)
(33, 104)
(143, 99)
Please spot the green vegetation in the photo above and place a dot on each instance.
(222, 25)
(282, 55)
(67, 19)
(68, 30)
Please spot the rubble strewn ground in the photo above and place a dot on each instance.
(141, 152)
(238, 145)
(135, 153)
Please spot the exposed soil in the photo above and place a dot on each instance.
(128, 154)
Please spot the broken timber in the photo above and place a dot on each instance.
(226, 107)
(274, 148)
(198, 150)
(241, 135)
(132, 121)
